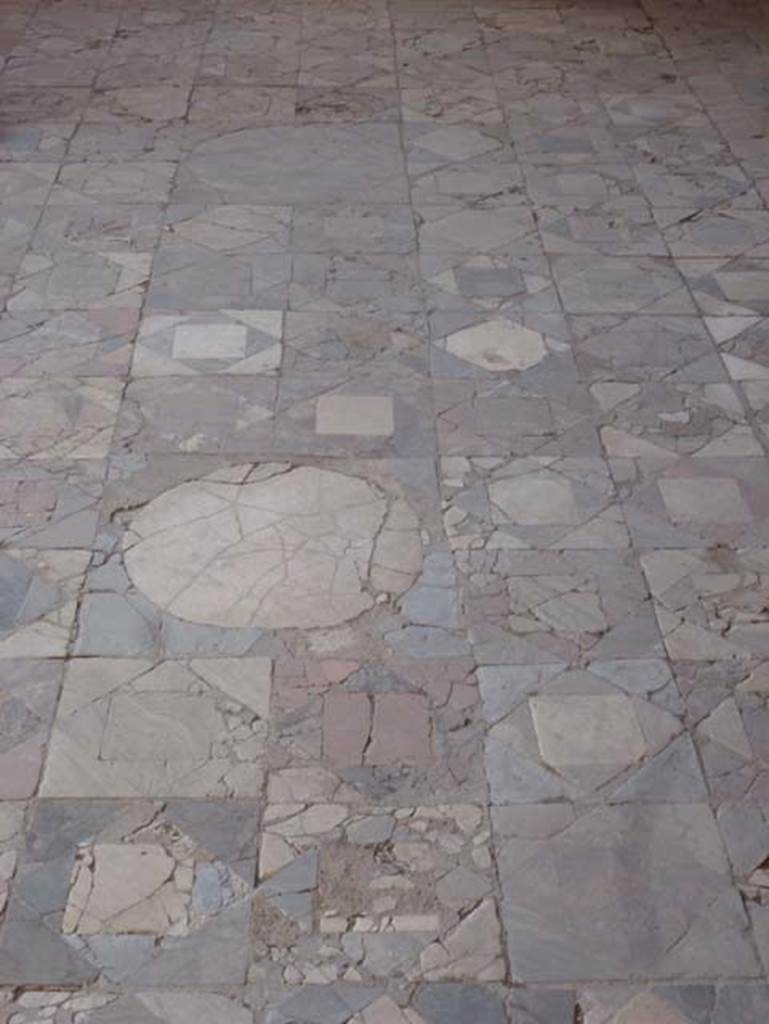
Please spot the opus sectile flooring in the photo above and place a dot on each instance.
(384, 580)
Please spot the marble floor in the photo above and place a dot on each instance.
(384, 508)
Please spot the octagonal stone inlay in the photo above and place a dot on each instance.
(273, 547)
(498, 346)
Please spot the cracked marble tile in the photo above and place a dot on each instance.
(535, 413)
(40, 589)
(404, 729)
(530, 503)
(222, 257)
(689, 502)
(312, 163)
(469, 164)
(17, 225)
(726, 709)
(26, 184)
(720, 1003)
(95, 342)
(28, 694)
(352, 60)
(584, 139)
(130, 181)
(356, 894)
(156, 54)
(72, 279)
(377, 508)
(707, 186)
(689, 924)
(619, 227)
(316, 104)
(314, 341)
(348, 229)
(726, 287)
(223, 342)
(674, 417)
(256, 55)
(126, 891)
(462, 103)
(453, 229)
(131, 728)
(215, 109)
(91, 1006)
(368, 283)
(156, 105)
(619, 284)
(531, 607)
(46, 418)
(62, 59)
(50, 503)
(512, 283)
(97, 228)
(632, 348)
(612, 732)
(344, 1002)
(727, 230)
(11, 841)
(710, 602)
(205, 413)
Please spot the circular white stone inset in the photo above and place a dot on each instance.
(302, 548)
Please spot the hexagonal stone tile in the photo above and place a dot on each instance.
(497, 346)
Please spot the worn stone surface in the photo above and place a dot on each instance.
(384, 511)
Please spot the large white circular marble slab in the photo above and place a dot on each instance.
(300, 547)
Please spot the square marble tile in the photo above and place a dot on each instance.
(395, 892)
(238, 342)
(128, 891)
(134, 728)
(689, 923)
(369, 409)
